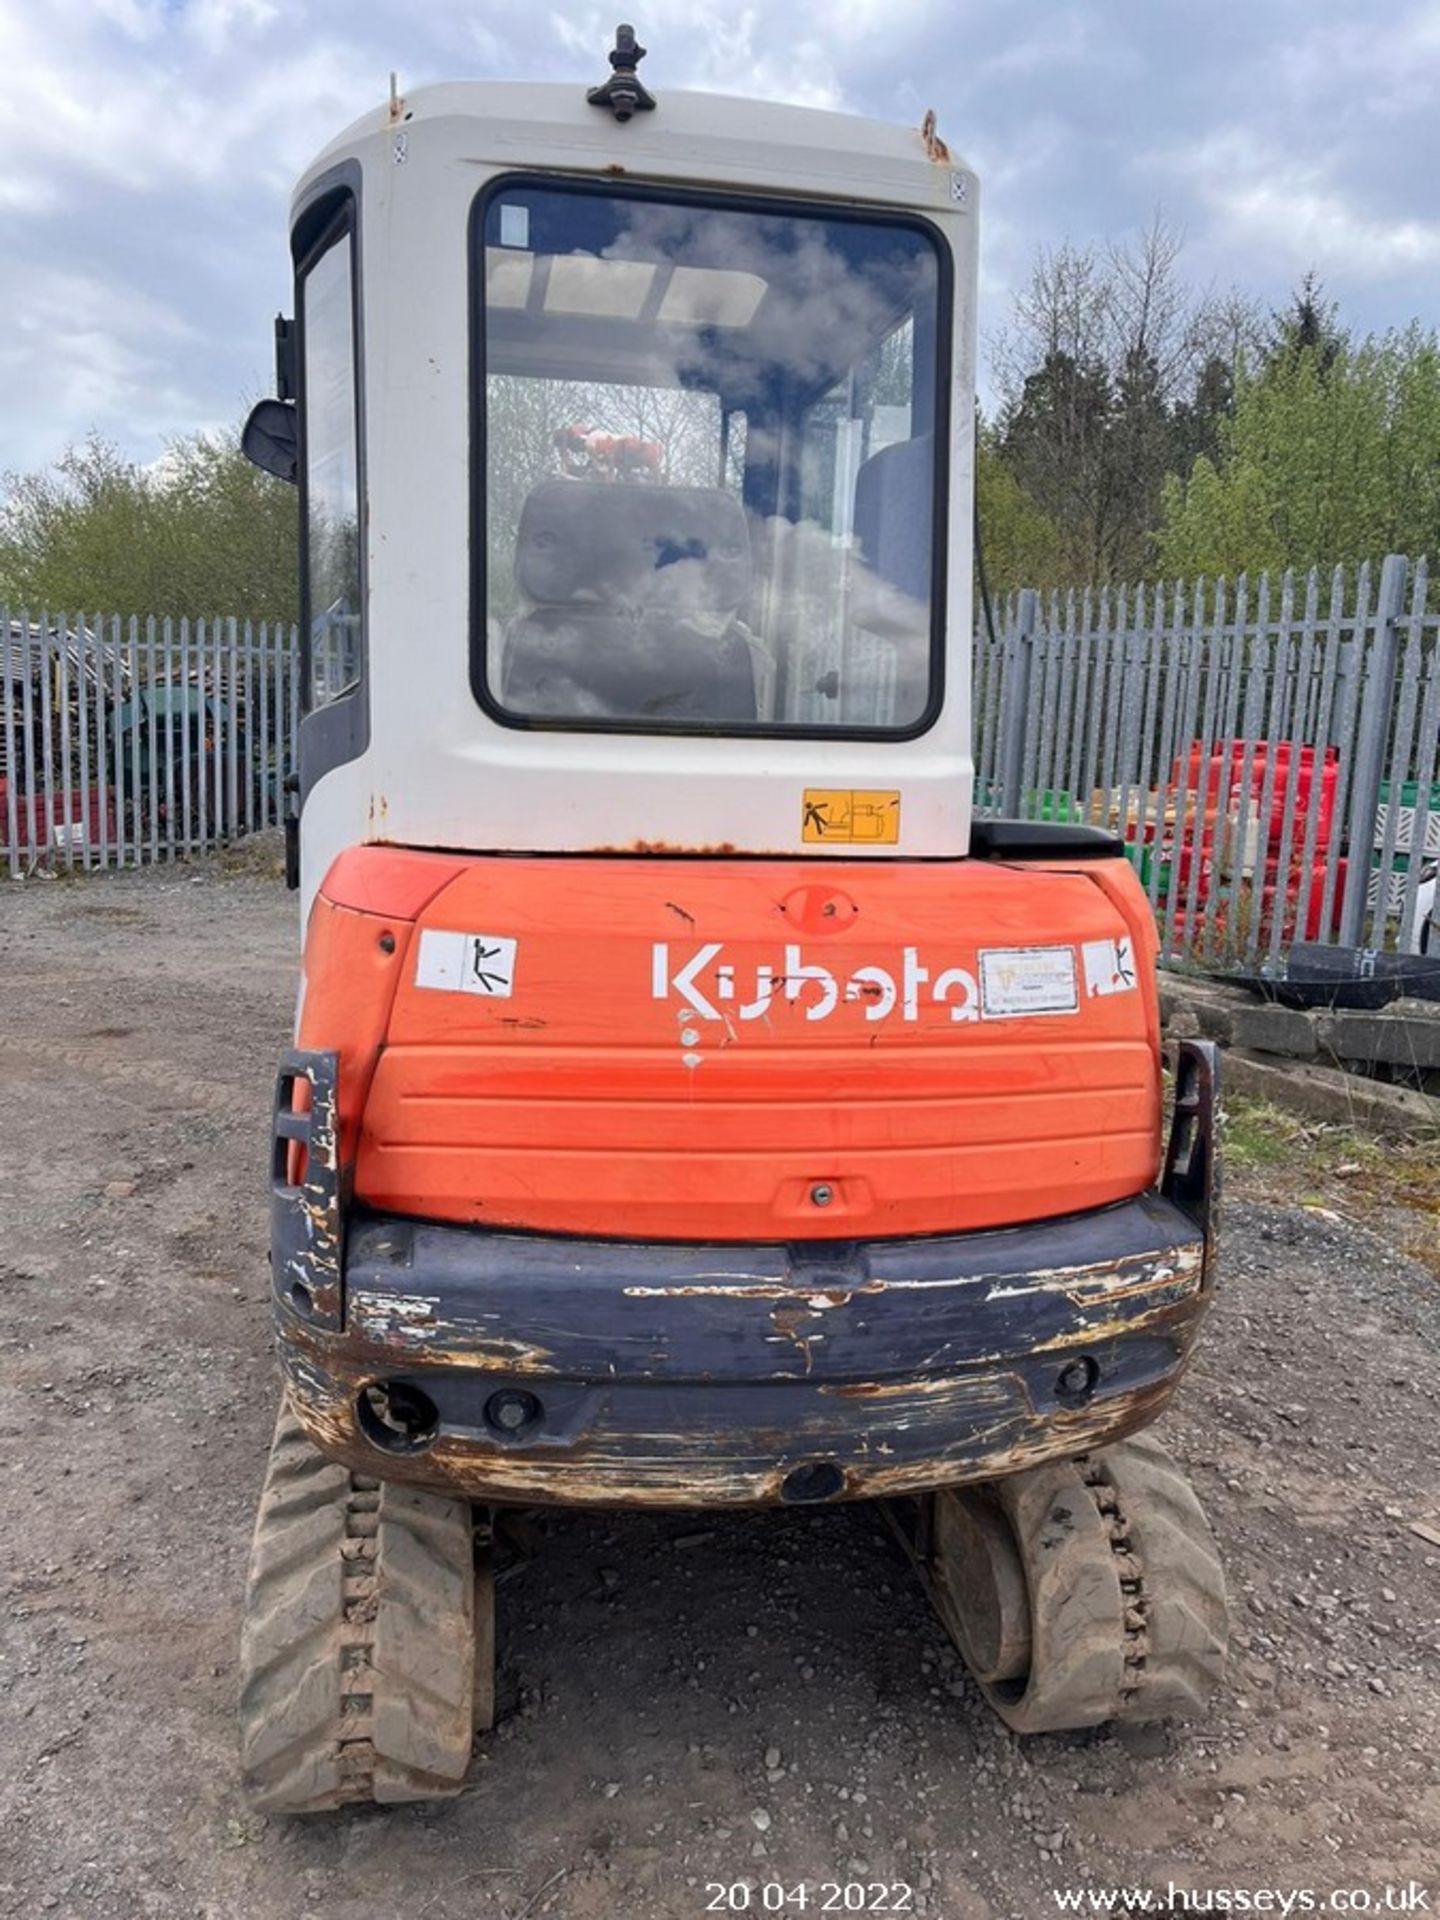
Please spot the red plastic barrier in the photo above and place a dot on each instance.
(1314, 906)
(84, 822)
(1217, 788)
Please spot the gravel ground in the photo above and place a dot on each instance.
(685, 1699)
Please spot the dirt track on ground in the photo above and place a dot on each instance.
(684, 1700)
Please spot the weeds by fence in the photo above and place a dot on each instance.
(1268, 749)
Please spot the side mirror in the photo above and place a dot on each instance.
(269, 439)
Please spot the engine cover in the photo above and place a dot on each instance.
(738, 1049)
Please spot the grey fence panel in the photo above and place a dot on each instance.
(263, 694)
(1229, 644)
(103, 809)
(1318, 725)
(201, 768)
(1380, 891)
(1370, 739)
(75, 737)
(47, 742)
(34, 663)
(184, 797)
(281, 710)
(1411, 776)
(1133, 688)
(155, 783)
(9, 770)
(1249, 668)
(1197, 774)
(1350, 650)
(1270, 752)
(130, 745)
(125, 740)
(1265, 808)
(247, 694)
(1420, 825)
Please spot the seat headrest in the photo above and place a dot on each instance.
(894, 494)
(612, 545)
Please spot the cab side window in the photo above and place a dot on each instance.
(333, 605)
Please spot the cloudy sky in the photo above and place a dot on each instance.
(147, 149)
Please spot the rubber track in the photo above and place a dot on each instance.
(1171, 1575)
(1126, 1591)
(357, 1652)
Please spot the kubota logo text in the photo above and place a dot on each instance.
(714, 987)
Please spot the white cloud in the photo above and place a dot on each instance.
(1372, 72)
(103, 347)
(1264, 202)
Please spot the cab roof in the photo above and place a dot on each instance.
(704, 138)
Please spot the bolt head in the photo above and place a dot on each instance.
(511, 1409)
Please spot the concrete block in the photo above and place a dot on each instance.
(1405, 1034)
(1191, 1007)
(1325, 1093)
(1272, 1029)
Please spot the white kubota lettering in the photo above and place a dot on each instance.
(874, 986)
(798, 976)
(805, 982)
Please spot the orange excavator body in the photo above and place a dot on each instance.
(727, 1050)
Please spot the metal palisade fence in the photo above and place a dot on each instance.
(125, 741)
(1268, 749)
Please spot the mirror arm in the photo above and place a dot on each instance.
(286, 386)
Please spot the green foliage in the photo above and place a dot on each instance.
(1022, 544)
(201, 532)
(1332, 455)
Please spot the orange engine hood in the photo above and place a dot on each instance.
(724, 1049)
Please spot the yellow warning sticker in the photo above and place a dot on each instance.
(855, 818)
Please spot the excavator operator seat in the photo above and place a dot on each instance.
(633, 595)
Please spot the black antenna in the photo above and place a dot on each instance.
(622, 92)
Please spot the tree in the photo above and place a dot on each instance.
(200, 532)
(1333, 455)
(1195, 424)
(1053, 441)
(1114, 372)
(1308, 325)
(1021, 544)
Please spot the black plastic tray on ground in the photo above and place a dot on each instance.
(1358, 978)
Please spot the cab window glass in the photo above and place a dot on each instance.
(710, 463)
(332, 489)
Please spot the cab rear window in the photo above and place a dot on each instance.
(709, 481)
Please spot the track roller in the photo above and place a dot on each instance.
(358, 1655)
(1081, 1591)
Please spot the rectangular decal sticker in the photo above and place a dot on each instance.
(1015, 981)
(1109, 967)
(482, 963)
(841, 816)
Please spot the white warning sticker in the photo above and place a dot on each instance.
(482, 963)
(1015, 981)
(1109, 967)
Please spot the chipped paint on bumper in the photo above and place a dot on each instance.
(683, 1376)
